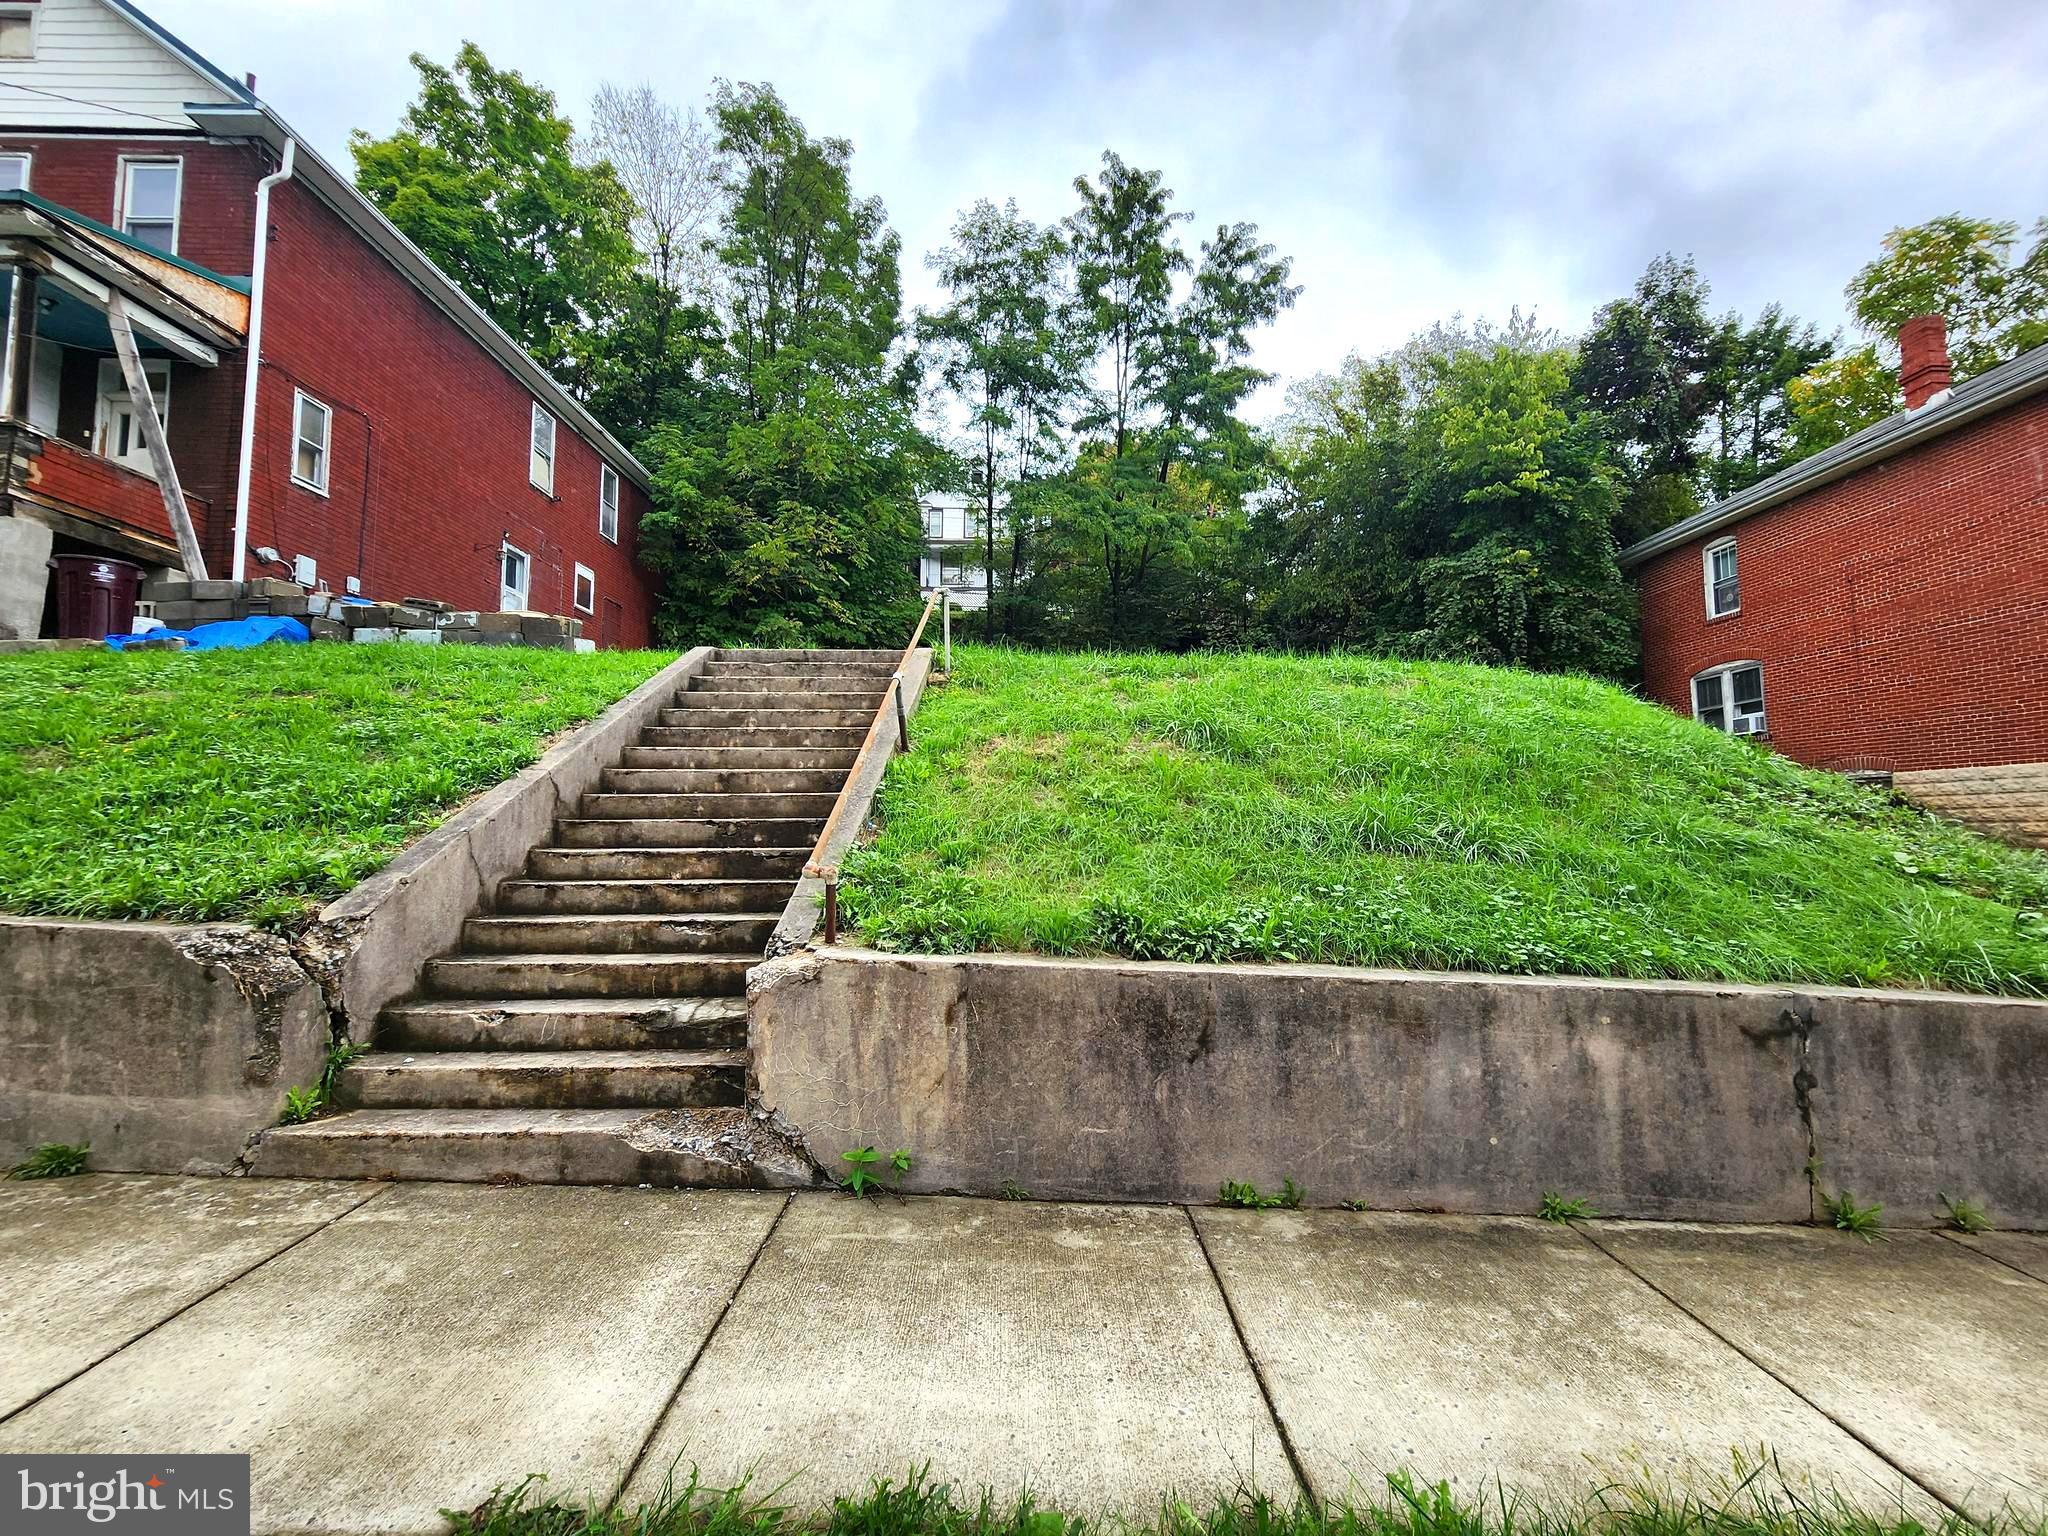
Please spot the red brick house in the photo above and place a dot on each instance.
(1883, 604)
(393, 441)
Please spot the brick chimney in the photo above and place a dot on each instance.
(1923, 360)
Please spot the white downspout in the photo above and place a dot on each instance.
(253, 355)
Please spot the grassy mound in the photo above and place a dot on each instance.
(1370, 812)
(251, 783)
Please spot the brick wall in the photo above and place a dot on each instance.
(1901, 614)
(428, 459)
(217, 203)
(428, 469)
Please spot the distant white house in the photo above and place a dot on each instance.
(956, 548)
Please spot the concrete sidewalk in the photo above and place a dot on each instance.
(386, 1351)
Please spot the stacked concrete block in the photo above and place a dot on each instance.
(329, 617)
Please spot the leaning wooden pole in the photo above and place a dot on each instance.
(153, 437)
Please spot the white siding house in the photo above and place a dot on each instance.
(86, 66)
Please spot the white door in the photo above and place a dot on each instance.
(514, 577)
(117, 434)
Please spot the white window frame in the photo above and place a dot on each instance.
(1707, 577)
(300, 400)
(535, 456)
(32, 14)
(123, 179)
(608, 505)
(28, 163)
(113, 388)
(525, 587)
(583, 574)
(1756, 724)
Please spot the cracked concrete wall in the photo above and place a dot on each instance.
(164, 1046)
(1124, 1080)
(367, 947)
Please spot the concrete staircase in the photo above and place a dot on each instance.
(592, 1028)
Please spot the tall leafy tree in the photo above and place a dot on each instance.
(1001, 349)
(1751, 427)
(786, 510)
(481, 176)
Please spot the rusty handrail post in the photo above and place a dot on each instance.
(902, 721)
(832, 907)
(946, 626)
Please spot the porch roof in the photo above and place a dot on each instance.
(188, 310)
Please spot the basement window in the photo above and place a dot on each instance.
(608, 504)
(313, 427)
(540, 467)
(1731, 698)
(586, 589)
(1724, 592)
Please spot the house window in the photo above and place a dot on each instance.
(586, 590)
(313, 424)
(14, 171)
(608, 503)
(1731, 698)
(117, 430)
(514, 573)
(1724, 592)
(17, 33)
(147, 208)
(541, 464)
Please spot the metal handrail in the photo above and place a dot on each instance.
(817, 867)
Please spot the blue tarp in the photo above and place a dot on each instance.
(227, 635)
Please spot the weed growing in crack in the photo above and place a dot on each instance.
(1012, 1190)
(1246, 1196)
(1866, 1221)
(303, 1104)
(1966, 1215)
(52, 1160)
(862, 1181)
(1354, 1205)
(1556, 1207)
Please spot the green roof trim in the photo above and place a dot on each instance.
(72, 216)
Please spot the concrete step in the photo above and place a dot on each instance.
(604, 807)
(690, 832)
(849, 669)
(564, 1024)
(584, 975)
(779, 737)
(693, 758)
(766, 718)
(692, 755)
(576, 1079)
(722, 781)
(822, 658)
(725, 1147)
(667, 863)
(853, 702)
(721, 686)
(643, 896)
(727, 933)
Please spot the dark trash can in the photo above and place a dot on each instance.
(95, 596)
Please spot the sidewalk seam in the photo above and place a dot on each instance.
(661, 1419)
(1955, 1239)
(1861, 1439)
(1294, 1463)
(206, 1295)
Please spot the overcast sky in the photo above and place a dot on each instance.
(1414, 159)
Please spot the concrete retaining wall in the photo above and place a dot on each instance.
(1130, 1081)
(164, 1046)
(367, 947)
(2009, 802)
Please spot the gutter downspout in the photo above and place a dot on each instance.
(253, 367)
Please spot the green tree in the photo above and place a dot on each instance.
(1751, 427)
(786, 507)
(999, 346)
(1963, 270)
(481, 176)
(1841, 397)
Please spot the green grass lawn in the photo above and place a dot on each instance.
(250, 784)
(1371, 812)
